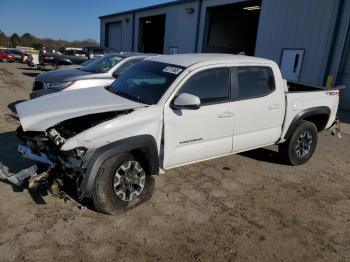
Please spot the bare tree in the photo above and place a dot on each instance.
(15, 40)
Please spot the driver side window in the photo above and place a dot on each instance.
(211, 86)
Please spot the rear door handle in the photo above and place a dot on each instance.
(226, 114)
(274, 106)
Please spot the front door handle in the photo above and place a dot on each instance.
(274, 106)
(226, 114)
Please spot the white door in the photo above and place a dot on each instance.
(114, 36)
(291, 63)
(259, 109)
(194, 135)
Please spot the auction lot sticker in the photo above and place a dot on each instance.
(172, 70)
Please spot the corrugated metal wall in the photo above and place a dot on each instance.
(304, 24)
(345, 79)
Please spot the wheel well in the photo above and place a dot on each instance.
(317, 115)
(142, 155)
(319, 120)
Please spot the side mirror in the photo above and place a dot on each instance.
(186, 101)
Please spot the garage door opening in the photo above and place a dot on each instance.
(232, 28)
(114, 36)
(152, 32)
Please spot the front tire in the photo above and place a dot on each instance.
(121, 184)
(301, 146)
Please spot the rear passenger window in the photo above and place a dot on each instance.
(211, 86)
(255, 81)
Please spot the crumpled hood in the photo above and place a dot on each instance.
(64, 75)
(41, 113)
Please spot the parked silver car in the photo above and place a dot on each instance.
(101, 72)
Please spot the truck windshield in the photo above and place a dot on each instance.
(102, 64)
(146, 82)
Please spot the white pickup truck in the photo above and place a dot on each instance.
(165, 112)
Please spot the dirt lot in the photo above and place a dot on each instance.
(247, 207)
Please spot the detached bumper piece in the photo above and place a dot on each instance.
(21, 177)
(30, 173)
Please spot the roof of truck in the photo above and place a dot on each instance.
(187, 60)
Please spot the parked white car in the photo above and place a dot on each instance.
(100, 72)
(170, 111)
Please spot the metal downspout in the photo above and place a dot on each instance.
(198, 25)
(133, 33)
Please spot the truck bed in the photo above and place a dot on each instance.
(302, 98)
(300, 87)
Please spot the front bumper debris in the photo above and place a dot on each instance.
(21, 177)
(27, 153)
(30, 173)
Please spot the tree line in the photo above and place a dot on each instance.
(29, 40)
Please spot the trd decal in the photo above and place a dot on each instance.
(190, 141)
(333, 93)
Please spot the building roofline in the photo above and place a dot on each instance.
(177, 2)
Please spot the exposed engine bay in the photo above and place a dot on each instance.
(53, 165)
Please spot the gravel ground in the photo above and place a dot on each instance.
(246, 207)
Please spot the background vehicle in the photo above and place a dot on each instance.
(100, 72)
(33, 60)
(72, 56)
(18, 55)
(169, 111)
(6, 57)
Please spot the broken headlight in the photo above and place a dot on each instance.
(80, 151)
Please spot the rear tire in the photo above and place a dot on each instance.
(121, 184)
(300, 147)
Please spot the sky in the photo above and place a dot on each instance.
(62, 19)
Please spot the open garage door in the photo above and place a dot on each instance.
(152, 32)
(114, 35)
(232, 28)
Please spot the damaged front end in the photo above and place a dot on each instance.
(54, 166)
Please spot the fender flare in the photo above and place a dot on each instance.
(313, 111)
(145, 142)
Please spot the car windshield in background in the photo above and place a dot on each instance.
(103, 64)
(146, 82)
